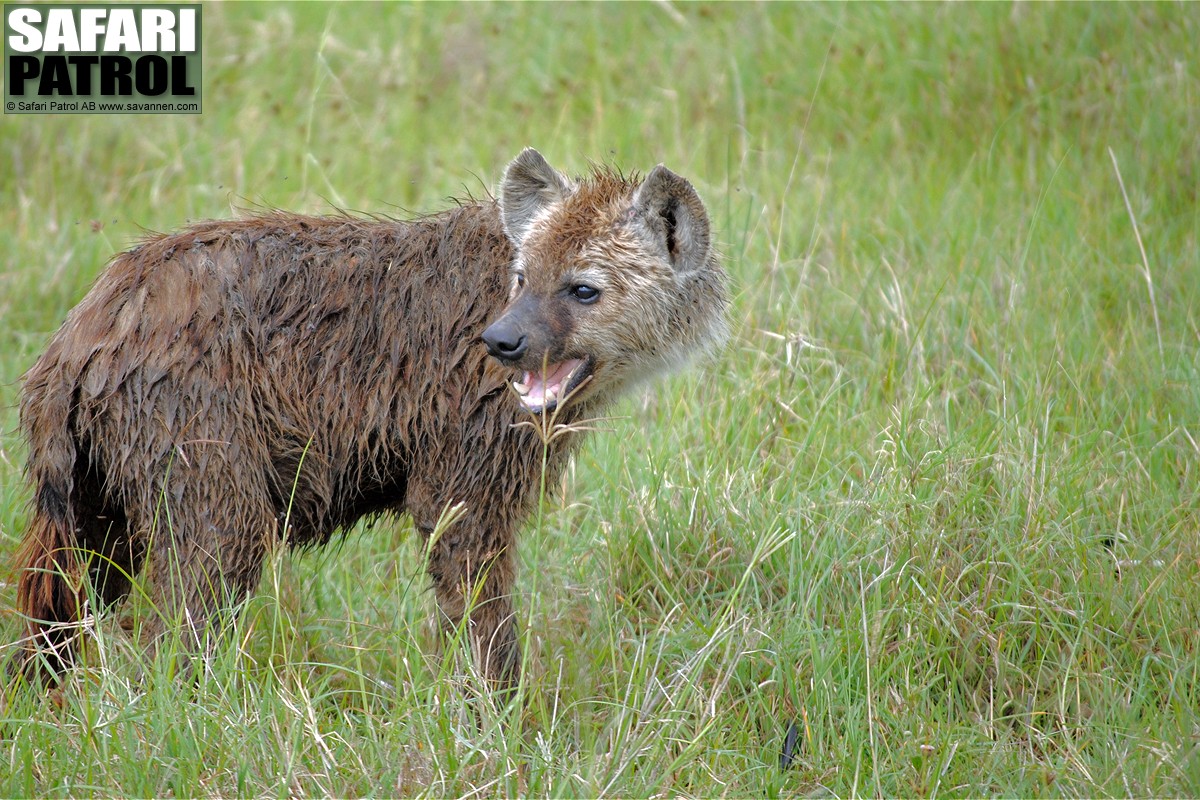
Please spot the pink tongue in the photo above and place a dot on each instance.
(543, 388)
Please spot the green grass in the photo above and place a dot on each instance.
(937, 501)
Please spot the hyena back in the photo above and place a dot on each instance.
(247, 383)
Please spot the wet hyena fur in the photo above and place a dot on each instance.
(273, 379)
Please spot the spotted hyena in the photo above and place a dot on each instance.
(272, 379)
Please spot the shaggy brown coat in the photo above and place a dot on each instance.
(273, 379)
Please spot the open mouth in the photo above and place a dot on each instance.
(543, 390)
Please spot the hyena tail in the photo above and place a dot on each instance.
(49, 587)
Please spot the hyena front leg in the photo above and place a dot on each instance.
(476, 583)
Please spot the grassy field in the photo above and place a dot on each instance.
(937, 503)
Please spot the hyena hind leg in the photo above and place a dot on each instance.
(63, 545)
(202, 568)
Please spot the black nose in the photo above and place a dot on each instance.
(504, 342)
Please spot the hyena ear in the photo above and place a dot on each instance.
(669, 213)
(529, 186)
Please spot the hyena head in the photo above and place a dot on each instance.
(613, 281)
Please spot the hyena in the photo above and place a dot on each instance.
(266, 381)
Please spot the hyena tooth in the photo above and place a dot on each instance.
(522, 388)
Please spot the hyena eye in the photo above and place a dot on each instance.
(584, 293)
(520, 280)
